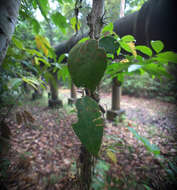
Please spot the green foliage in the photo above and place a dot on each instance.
(59, 21)
(109, 44)
(157, 46)
(99, 179)
(148, 87)
(145, 50)
(108, 28)
(150, 147)
(87, 63)
(89, 127)
(44, 7)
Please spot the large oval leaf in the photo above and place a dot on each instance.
(89, 127)
(86, 64)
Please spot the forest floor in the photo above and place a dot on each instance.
(43, 154)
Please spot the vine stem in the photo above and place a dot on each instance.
(86, 159)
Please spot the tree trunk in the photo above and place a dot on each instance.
(8, 16)
(73, 94)
(54, 102)
(116, 85)
(156, 20)
(95, 23)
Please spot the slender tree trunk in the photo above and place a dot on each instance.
(8, 17)
(95, 23)
(54, 102)
(73, 94)
(116, 85)
(122, 8)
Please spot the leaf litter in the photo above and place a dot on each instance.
(42, 154)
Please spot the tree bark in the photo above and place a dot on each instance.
(116, 85)
(54, 102)
(66, 46)
(156, 20)
(95, 23)
(8, 17)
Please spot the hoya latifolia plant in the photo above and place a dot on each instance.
(89, 59)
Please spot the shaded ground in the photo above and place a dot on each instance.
(43, 155)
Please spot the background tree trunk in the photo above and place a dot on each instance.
(156, 20)
(54, 102)
(116, 85)
(8, 16)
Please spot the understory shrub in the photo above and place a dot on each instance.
(145, 86)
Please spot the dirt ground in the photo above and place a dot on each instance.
(43, 154)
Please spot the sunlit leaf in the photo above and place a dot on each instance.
(128, 38)
(61, 58)
(157, 46)
(125, 46)
(84, 40)
(168, 56)
(73, 24)
(18, 43)
(44, 7)
(41, 43)
(60, 21)
(145, 50)
(36, 25)
(154, 69)
(108, 28)
(33, 52)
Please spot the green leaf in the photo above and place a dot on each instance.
(168, 56)
(61, 58)
(73, 24)
(87, 63)
(18, 43)
(128, 38)
(109, 43)
(60, 1)
(84, 40)
(145, 50)
(68, 1)
(63, 73)
(108, 28)
(125, 46)
(60, 21)
(36, 25)
(14, 83)
(157, 70)
(44, 7)
(150, 147)
(89, 127)
(34, 52)
(157, 46)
